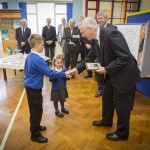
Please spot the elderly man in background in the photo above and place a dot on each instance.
(22, 35)
(121, 75)
(72, 44)
(49, 35)
(61, 28)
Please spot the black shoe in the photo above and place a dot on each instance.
(59, 114)
(38, 137)
(65, 111)
(114, 137)
(98, 94)
(100, 124)
(88, 76)
(42, 128)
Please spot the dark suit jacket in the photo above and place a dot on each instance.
(100, 77)
(112, 26)
(20, 38)
(68, 37)
(49, 34)
(117, 59)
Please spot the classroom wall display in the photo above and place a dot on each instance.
(145, 58)
(1, 47)
(137, 37)
(131, 33)
(144, 84)
(9, 21)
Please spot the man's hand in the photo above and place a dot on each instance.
(73, 71)
(22, 44)
(76, 36)
(68, 75)
(88, 46)
(49, 42)
(101, 70)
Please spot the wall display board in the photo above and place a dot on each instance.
(1, 47)
(143, 17)
(9, 20)
(137, 39)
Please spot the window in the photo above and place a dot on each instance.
(1, 6)
(32, 17)
(61, 12)
(37, 17)
(32, 23)
(43, 15)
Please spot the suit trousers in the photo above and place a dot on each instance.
(100, 79)
(122, 103)
(62, 44)
(49, 52)
(26, 51)
(71, 57)
(35, 100)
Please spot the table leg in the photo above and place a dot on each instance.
(4, 73)
(15, 72)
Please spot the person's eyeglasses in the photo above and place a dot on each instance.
(84, 31)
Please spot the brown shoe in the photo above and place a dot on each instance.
(98, 94)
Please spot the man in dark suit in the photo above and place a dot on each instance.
(121, 75)
(102, 18)
(49, 35)
(22, 35)
(72, 44)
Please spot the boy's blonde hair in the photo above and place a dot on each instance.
(35, 38)
(58, 56)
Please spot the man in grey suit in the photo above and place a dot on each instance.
(102, 18)
(72, 44)
(49, 35)
(22, 35)
(121, 75)
(61, 28)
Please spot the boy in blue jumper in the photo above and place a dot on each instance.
(35, 69)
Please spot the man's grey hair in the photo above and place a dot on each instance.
(23, 20)
(88, 22)
(71, 20)
(102, 13)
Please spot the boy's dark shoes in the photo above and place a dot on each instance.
(65, 111)
(59, 114)
(38, 137)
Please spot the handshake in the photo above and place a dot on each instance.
(70, 73)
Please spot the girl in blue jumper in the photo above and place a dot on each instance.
(59, 90)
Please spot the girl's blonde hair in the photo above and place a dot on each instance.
(58, 56)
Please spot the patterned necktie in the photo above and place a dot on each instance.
(97, 44)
